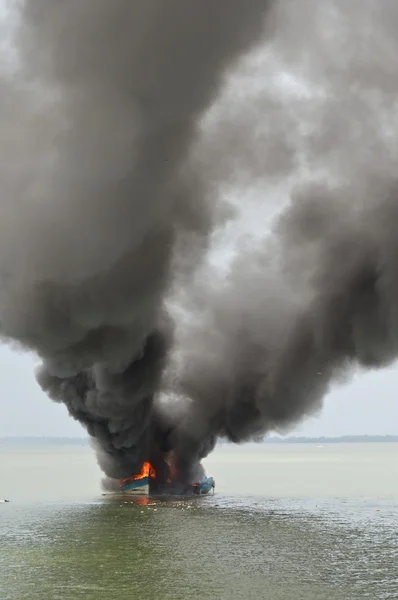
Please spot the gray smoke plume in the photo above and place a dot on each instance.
(102, 204)
(124, 127)
(319, 295)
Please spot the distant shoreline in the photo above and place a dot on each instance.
(43, 441)
(346, 439)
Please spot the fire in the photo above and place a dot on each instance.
(172, 475)
(147, 470)
(172, 469)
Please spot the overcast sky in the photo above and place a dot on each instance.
(369, 404)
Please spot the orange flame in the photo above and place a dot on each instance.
(172, 475)
(147, 470)
(172, 469)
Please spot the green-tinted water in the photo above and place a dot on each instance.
(242, 545)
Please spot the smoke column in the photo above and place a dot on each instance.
(105, 207)
(318, 296)
(120, 140)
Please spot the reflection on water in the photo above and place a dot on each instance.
(223, 547)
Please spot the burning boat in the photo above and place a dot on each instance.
(205, 486)
(138, 485)
(144, 483)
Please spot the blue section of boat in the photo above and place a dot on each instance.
(205, 486)
(201, 488)
(135, 484)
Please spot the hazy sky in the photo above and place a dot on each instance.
(366, 405)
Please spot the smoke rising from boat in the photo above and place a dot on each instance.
(124, 129)
(317, 297)
(104, 209)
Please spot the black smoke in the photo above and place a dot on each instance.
(105, 208)
(132, 133)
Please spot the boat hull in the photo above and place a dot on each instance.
(204, 487)
(139, 487)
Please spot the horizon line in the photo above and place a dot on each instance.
(266, 439)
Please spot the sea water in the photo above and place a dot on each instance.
(287, 522)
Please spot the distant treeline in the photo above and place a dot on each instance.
(40, 441)
(345, 439)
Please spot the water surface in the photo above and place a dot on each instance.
(287, 522)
